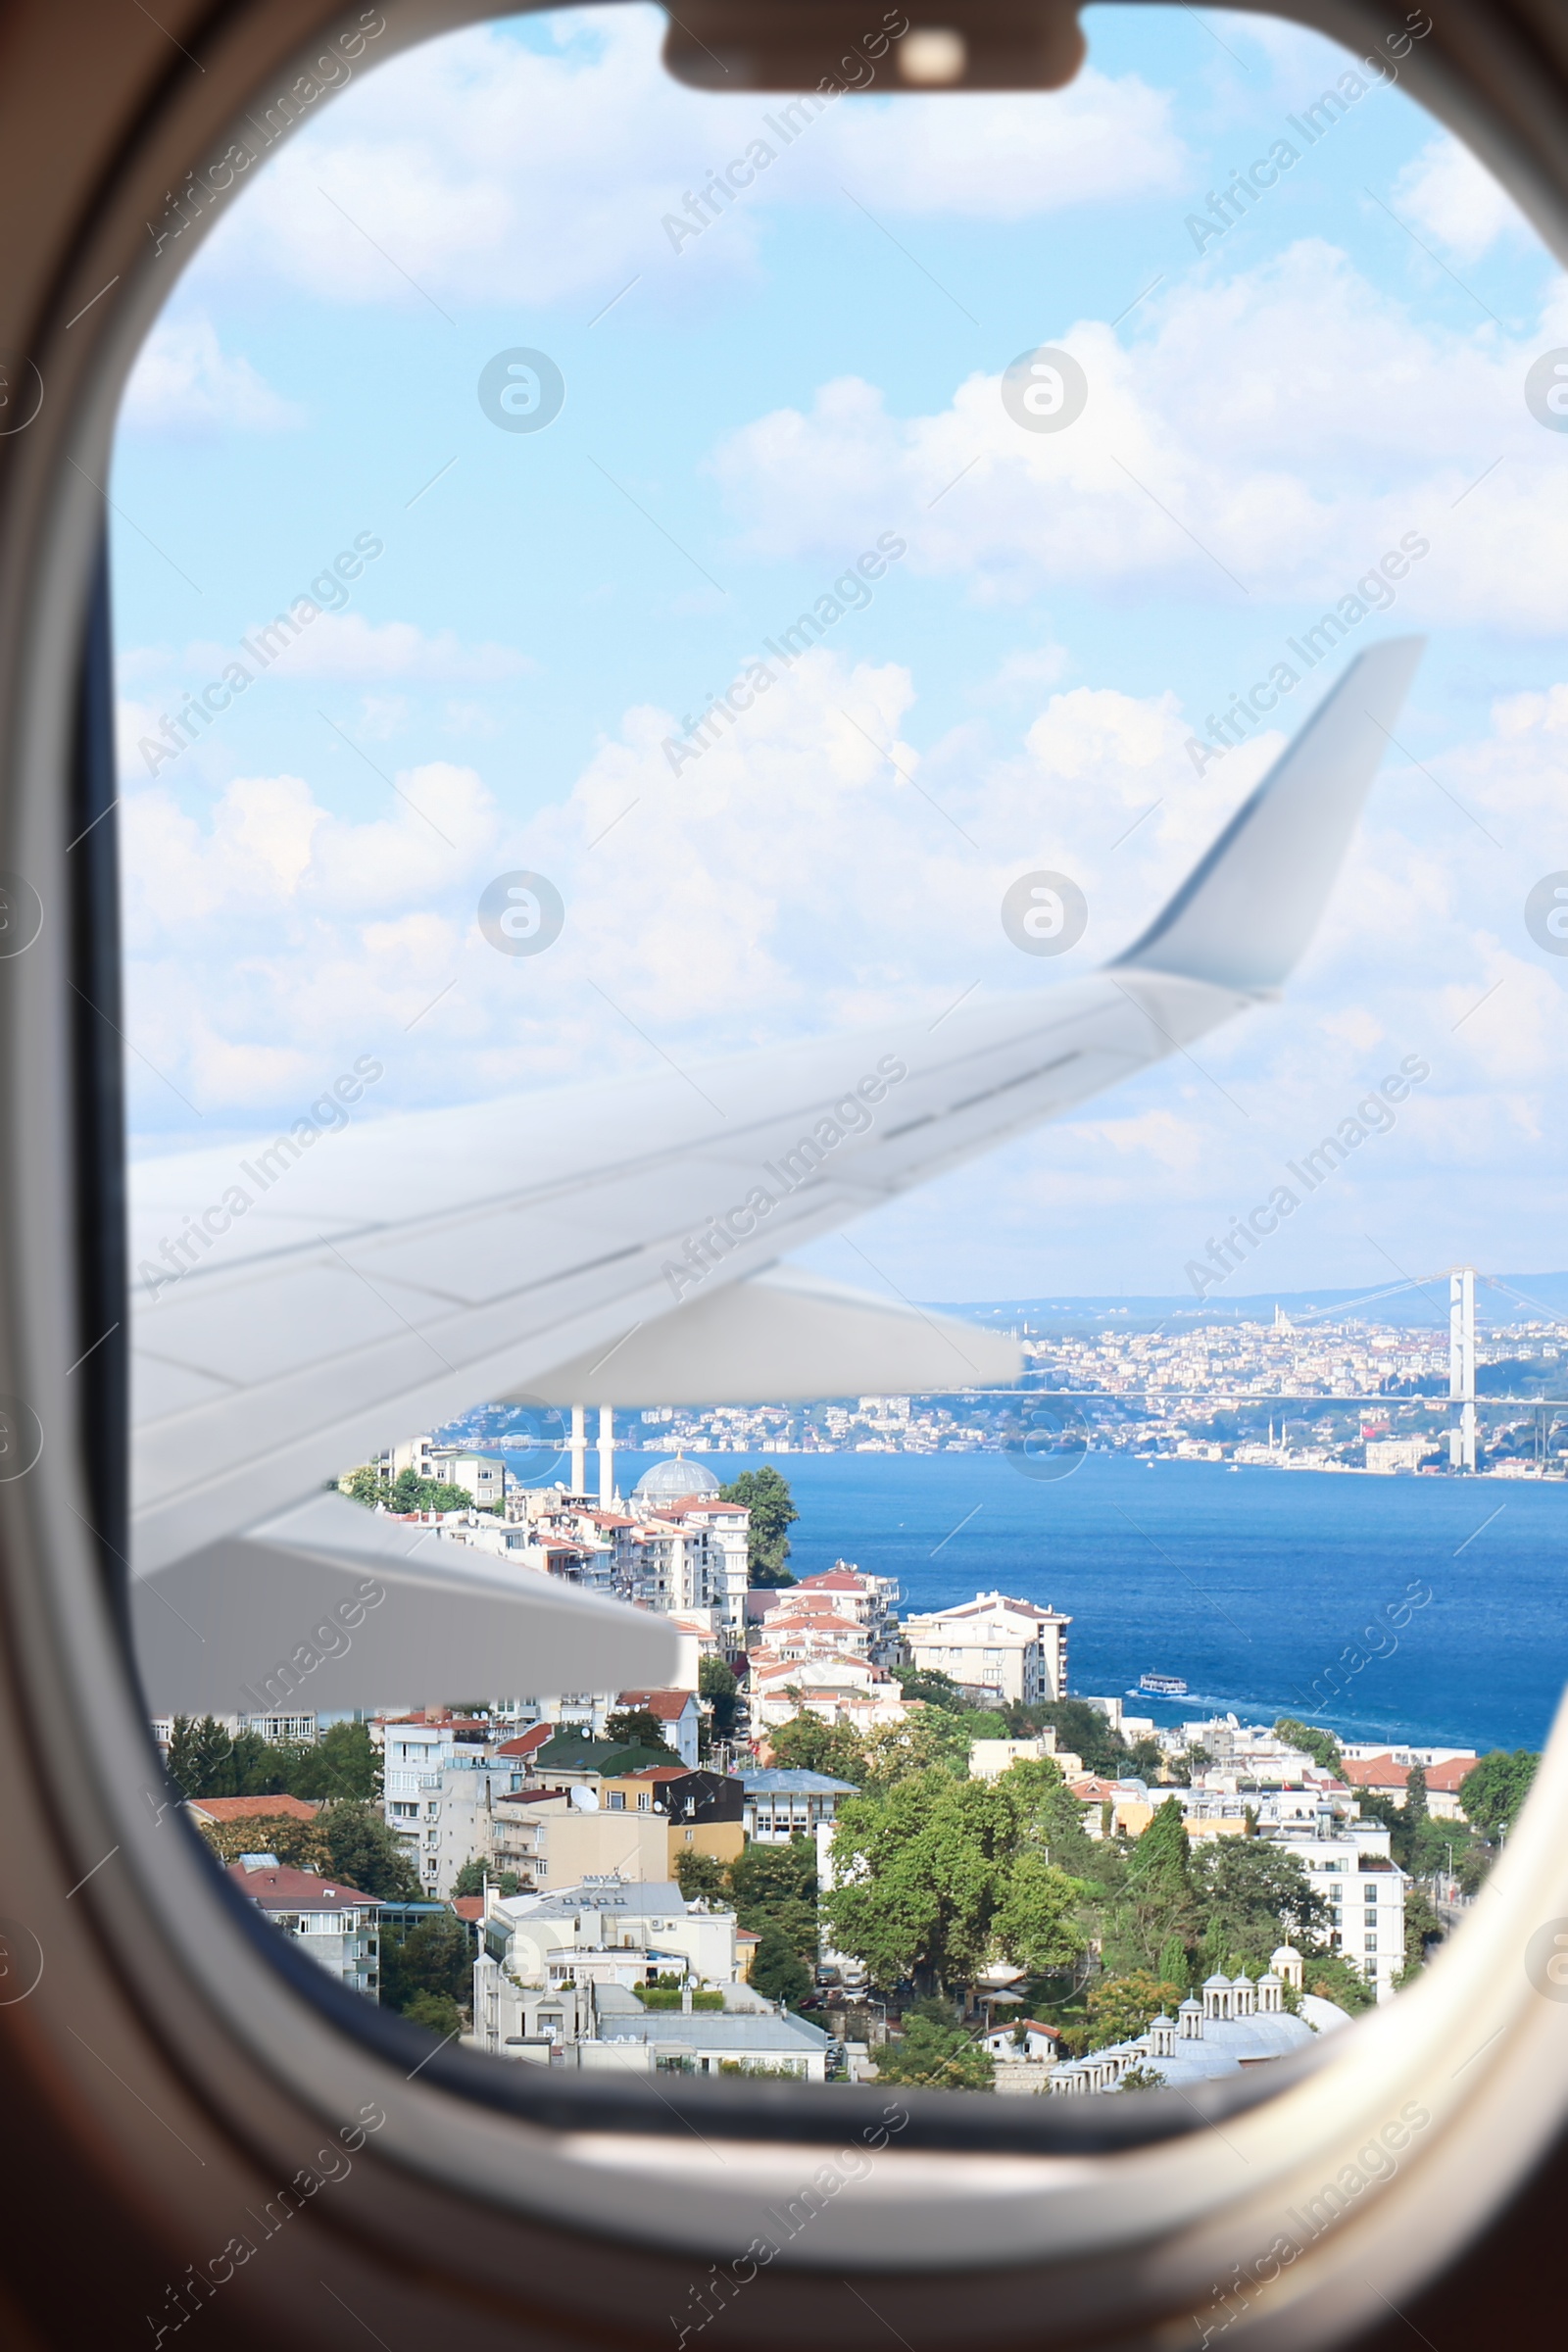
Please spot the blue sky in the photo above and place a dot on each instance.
(1342, 368)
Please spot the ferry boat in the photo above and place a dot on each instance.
(1159, 1686)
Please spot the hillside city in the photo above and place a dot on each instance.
(1349, 1395)
(754, 1870)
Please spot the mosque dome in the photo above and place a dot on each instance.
(674, 1477)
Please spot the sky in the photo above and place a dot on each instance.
(752, 402)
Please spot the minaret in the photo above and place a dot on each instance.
(1462, 1366)
(579, 1450)
(606, 1457)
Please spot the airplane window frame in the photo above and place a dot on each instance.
(259, 2041)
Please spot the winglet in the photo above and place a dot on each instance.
(1248, 908)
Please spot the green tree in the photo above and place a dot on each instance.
(1175, 1965)
(938, 1690)
(408, 1491)
(778, 1972)
(470, 1878)
(298, 1845)
(1416, 1809)
(1036, 1925)
(1156, 1902)
(1253, 1899)
(436, 2010)
(1493, 1795)
(1118, 2009)
(1331, 1977)
(806, 1743)
(931, 1885)
(773, 1888)
(1082, 1730)
(635, 1727)
(201, 1757)
(362, 1852)
(1421, 1922)
(344, 1762)
(767, 1497)
(931, 2055)
(1142, 2077)
(366, 1485)
(701, 1878)
(433, 1957)
(720, 1683)
(1314, 1741)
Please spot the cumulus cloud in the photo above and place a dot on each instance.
(491, 170)
(1279, 430)
(185, 382)
(814, 871)
(1450, 194)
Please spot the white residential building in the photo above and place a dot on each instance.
(335, 1925)
(1364, 1889)
(1011, 1651)
(838, 1690)
(601, 1931)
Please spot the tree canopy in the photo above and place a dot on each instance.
(636, 1727)
(935, 2054)
(1493, 1793)
(206, 1760)
(766, 1495)
(720, 1683)
(939, 1875)
(1314, 1741)
(364, 1852)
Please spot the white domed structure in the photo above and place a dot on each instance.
(673, 1480)
(1236, 2025)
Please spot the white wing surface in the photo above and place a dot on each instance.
(609, 1241)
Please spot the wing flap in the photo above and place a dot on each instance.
(329, 1606)
(788, 1335)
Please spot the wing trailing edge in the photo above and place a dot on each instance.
(332, 1606)
(787, 1334)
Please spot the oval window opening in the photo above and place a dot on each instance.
(844, 929)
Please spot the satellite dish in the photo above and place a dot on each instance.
(586, 1800)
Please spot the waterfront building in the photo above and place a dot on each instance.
(1006, 1650)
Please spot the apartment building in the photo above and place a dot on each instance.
(1364, 1889)
(1006, 1650)
(335, 1925)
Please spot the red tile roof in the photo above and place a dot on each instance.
(285, 1889)
(469, 1907)
(669, 1705)
(527, 1742)
(1382, 1772)
(255, 1808)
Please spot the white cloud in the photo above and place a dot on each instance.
(795, 882)
(183, 382)
(493, 171)
(1450, 193)
(347, 648)
(1285, 427)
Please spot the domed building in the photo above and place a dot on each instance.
(1237, 2023)
(676, 1480)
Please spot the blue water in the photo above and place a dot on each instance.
(1249, 1583)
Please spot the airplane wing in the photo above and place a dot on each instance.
(296, 1303)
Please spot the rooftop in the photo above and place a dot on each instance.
(779, 1782)
(255, 1808)
(747, 2035)
(279, 1888)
